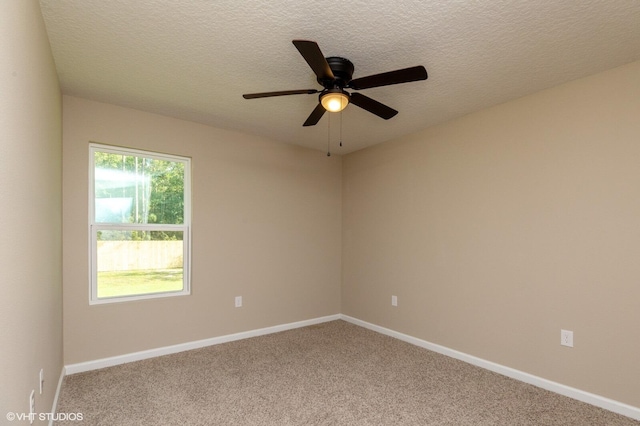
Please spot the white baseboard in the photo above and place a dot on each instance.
(54, 406)
(166, 350)
(589, 398)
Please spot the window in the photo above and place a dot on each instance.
(139, 224)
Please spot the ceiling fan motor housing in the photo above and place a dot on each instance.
(342, 69)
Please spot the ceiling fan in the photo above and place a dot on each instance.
(334, 75)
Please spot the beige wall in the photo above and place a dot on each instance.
(30, 216)
(498, 229)
(266, 226)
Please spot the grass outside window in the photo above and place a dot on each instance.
(135, 282)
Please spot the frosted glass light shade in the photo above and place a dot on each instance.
(334, 101)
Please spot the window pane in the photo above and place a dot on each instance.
(139, 262)
(135, 189)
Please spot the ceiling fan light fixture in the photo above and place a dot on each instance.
(334, 100)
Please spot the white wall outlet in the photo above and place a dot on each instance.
(394, 300)
(566, 338)
(32, 406)
(41, 380)
(238, 301)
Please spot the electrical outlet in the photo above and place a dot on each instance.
(41, 380)
(32, 406)
(394, 300)
(238, 301)
(566, 338)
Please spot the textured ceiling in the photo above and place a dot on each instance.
(193, 59)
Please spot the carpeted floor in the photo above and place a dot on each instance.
(334, 373)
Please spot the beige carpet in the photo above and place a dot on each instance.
(334, 373)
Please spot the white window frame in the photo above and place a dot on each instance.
(95, 227)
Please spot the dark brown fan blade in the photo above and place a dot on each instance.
(373, 106)
(281, 93)
(315, 116)
(392, 77)
(311, 53)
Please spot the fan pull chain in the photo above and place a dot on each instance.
(341, 128)
(329, 136)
